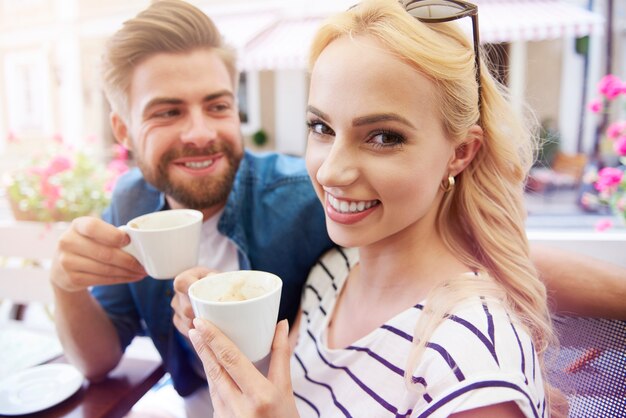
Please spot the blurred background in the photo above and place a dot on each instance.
(551, 53)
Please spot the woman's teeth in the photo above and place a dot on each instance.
(343, 206)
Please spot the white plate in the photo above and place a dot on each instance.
(38, 388)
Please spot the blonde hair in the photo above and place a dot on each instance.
(482, 219)
(167, 26)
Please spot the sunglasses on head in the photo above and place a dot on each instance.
(437, 11)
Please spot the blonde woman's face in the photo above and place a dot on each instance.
(376, 150)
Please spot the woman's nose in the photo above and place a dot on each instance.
(339, 166)
(199, 129)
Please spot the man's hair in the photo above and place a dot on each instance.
(167, 26)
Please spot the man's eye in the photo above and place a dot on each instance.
(220, 107)
(170, 113)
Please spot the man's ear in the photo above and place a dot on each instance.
(465, 152)
(120, 130)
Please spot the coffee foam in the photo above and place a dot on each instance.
(232, 289)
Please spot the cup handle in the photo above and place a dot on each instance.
(130, 248)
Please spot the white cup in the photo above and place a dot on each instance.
(166, 243)
(243, 305)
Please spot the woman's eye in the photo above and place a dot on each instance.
(387, 139)
(320, 128)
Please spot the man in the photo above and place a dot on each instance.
(172, 85)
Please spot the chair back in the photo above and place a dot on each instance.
(589, 366)
(26, 250)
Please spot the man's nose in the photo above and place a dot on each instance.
(198, 129)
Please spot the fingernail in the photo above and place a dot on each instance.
(194, 336)
(199, 324)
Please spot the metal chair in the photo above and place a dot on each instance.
(589, 366)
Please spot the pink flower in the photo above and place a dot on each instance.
(58, 138)
(616, 129)
(610, 86)
(608, 178)
(620, 146)
(51, 192)
(117, 167)
(120, 152)
(595, 106)
(58, 165)
(603, 224)
(11, 137)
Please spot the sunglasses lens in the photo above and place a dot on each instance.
(434, 10)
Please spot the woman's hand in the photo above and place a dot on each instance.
(237, 388)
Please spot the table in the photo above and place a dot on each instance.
(112, 397)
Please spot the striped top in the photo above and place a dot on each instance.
(476, 357)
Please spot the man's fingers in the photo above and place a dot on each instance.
(188, 277)
(100, 231)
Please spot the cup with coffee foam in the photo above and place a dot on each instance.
(166, 243)
(243, 305)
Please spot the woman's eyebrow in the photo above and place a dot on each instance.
(381, 117)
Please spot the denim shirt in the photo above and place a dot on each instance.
(274, 218)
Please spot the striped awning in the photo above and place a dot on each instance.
(534, 20)
(272, 41)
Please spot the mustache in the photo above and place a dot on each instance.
(193, 151)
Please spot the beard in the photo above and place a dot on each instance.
(199, 193)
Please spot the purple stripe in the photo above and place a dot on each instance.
(393, 368)
(308, 402)
(482, 337)
(319, 298)
(314, 290)
(521, 352)
(439, 349)
(474, 386)
(490, 325)
(378, 358)
(332, 394)
(330, 275)
(345, 257)
(356, 380)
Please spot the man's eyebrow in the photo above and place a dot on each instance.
(175, 101)
(381, 117)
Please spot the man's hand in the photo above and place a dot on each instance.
(183, 313)
(90, 253)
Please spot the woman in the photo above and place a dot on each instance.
(436, 309)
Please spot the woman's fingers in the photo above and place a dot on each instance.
(220, 382)
(280, 368)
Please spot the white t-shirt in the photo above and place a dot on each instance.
(477, 357)
(217, 251)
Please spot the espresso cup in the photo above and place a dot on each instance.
(243, 305)
(166, 243)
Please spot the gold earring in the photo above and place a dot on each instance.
(447, 187)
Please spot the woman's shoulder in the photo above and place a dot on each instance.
(481, 349)
(328, 274)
